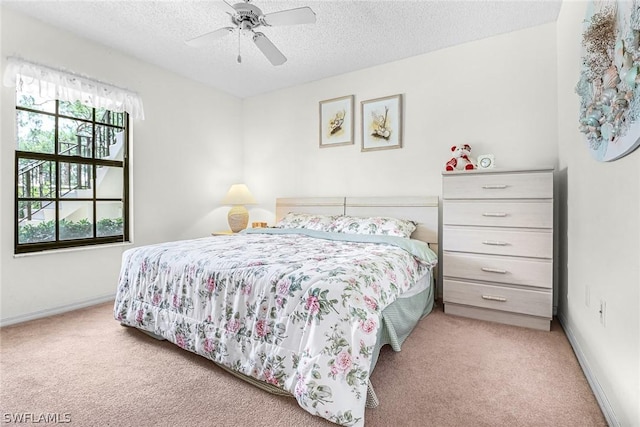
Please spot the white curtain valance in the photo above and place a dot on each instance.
(36, 79)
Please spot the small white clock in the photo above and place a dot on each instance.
(485, 161)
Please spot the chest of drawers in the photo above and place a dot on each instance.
(497, 245)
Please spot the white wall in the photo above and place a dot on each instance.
(185, 155)
(497, 94)
(600, 256)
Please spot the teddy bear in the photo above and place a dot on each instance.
(461, 159)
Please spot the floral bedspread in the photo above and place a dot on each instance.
(295, 311)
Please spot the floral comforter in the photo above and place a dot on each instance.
(297, 311)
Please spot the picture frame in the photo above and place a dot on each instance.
(381, 121)
(336, 121)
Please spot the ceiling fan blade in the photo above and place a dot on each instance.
(269, 49)
(232, 9)
(300, 15)
(205, 39)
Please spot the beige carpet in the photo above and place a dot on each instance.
(451, 372)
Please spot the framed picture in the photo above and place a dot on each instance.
(382, 123)
(336, 121)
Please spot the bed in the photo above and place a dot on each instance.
(300, 309)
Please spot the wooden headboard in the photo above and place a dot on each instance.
(423, 210)
(312, 205)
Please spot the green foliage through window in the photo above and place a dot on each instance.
(45, 231)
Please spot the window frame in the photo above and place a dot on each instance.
(58, 159)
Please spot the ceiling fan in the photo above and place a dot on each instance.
(247, 17)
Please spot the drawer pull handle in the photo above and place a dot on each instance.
(494, 298)
(495, 187)
(494, 243)
(495, 214)
(493, 270)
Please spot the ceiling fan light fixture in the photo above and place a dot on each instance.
(247, 17)
(247, 13)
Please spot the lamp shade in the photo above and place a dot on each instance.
(238, 194)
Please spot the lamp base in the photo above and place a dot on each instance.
(238, 218)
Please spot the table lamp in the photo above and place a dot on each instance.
(238, 196)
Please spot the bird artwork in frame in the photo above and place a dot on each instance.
(336, 121)
(382, 123)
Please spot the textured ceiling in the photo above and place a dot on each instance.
(347, 35)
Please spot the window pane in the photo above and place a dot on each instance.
(35, 132)
(36, 222)
(74, 137)
(109, 117)
(75, 109)
(110, 181)
(110, 219)
(34, 102)
(36, 178)
(76, 181)
(109, 143)
(35, 211)
(76, 220)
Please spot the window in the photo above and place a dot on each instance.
(72, 174)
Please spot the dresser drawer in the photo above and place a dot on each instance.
(497, 241)
(486, 185)
(499, 213)
(493, 268)
(535, 303)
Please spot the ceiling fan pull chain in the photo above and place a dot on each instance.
(239, 57)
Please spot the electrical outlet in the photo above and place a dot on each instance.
(603, 312)
(587, 296)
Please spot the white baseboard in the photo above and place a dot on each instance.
(56, 310)
(601, 397)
